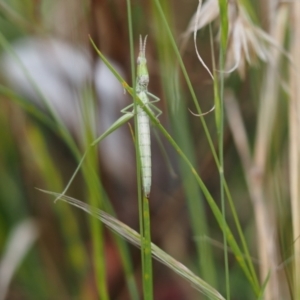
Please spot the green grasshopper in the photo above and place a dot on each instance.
(143, 122)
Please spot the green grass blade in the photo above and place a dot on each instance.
(146, 248)
(219, 99)
(133, 237)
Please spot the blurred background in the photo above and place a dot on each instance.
(57, 96)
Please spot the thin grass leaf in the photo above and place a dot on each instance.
(220, 97)
(224, 23)
(134, 238)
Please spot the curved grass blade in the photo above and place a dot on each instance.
(134, 238)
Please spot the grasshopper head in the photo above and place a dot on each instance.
(142, 71)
